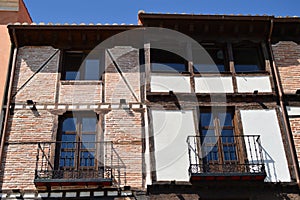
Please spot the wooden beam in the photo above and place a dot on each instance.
(236, 28)
(221, 28)
(191, 27)
(206, 28)
(176, 27)
(70, 38)
(83, 37)
(251, 29)
(98, 37)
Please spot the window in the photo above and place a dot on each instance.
(217, 139)
(248, 58)
(76, 148)
(217, 64)
(165, 61)
(79, 66)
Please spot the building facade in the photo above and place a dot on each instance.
(10, 12)
(200, 107)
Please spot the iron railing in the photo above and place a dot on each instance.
(79, 161)
(225, 155)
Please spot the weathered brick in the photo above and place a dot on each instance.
(287, 59)
(27, 127)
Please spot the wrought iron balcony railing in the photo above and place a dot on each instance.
(60, 163)
(236, 157)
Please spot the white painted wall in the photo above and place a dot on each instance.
(147, 151)
(247, 84)
(265, 123)
(171, 129)
(166, 83)
(293, 111)
(213, 85)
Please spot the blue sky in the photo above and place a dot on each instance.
(125, 11)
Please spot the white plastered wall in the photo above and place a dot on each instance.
(265, 123)
(293, 111)
(247, 84)
(171, 129)
(213, 85)
(170, 83)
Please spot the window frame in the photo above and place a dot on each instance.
(260, 56)
(217, 129)
(81, 67)
(177, 59)
(78, 141)
(215, 46)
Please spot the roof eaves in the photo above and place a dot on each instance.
(73, 25)
(174, 16)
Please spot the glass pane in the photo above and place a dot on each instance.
(69, 125)
(92, 70)
(68, 141)
(211, 153)
(209, 148)
(206, 119)
(66, 159)
(246, 68)
(247, 60)
(225, 119)
(166, 61)
(72, 75)
(168, 67)
(227, 136)
(72, 62)
(68, 138)
(209, 68)
(88, 141)
(209, 135)
(87, 158)
(89, 124)
(213, 64)
(229, 152)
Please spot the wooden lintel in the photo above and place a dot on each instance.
(206, 28)
(251, 28)
(191, 27)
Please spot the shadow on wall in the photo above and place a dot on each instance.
(269, 167)
(34, 63)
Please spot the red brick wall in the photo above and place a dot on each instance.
(127, 60)
(75, 93)
(42, 87)
(287, 59)
(25, 125)
(295, 126)
(122, 127)
(19, 159)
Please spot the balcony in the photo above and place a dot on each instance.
(79, 163)
(226, 158)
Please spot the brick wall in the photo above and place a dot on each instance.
(24, 125)
(127, 60)
(19, 159)
(42, 87)
(122, 127)
(295, 126)
(287, 59)
(75, 93)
